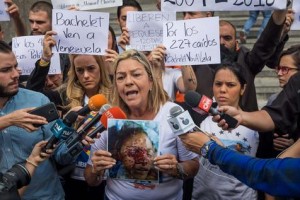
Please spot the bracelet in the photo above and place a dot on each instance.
(181, 174)
(45, 59)
(43, 63)
(30, 162)
(98, 176)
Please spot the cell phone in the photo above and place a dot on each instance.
(48, 111)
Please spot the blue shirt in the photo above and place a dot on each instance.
(278, 177)
(17, 144)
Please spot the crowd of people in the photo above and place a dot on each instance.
(210, 163)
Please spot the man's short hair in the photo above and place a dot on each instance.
(129, 3)
(225, 22)
(42, 6)
(4, 47)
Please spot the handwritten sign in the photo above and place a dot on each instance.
(192, 42)
(3, 14)
(80, 32)
(87, 4)
(146, 28)
(296, 8)
(28, 50)
(221, 5)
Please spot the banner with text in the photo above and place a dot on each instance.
(3, 14)
(296, 9)
(221, 5)
(80, 32)
(192, 42)
(87, 4)
(145, 29)
(28, 49)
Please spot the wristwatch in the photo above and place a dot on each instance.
(204, 149)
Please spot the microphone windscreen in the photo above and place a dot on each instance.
(114, 112)
(175, 111)
(96, 102)
(104, 108)
(192, 98)
(70, 118)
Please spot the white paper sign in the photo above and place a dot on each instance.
(3, 14)
(80, 32)
(221, 5)
(28, 49)
(296, 8)
(87, 4)
(192, 42)
(146, 28)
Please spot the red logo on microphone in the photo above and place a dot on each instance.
(205, 103)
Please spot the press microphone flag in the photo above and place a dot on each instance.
(204, 103)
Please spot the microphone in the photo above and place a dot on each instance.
(62, 129)
(203, 103)
(94, 104)
(77, 136)
(114, 112)
(181, 121)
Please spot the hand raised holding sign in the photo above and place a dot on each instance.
(124, 38)
(48, 43)
(157, 56)
(13, 11)
(289, 19)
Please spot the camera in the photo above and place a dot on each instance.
(15, 178)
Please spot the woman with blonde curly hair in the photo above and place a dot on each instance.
(137, 90)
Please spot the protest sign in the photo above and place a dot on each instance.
(296, 9)
(28, 49)
(145, 28)
(3, 14)
(221, 5)
(80, 32)
(192, 42)
(87, 4)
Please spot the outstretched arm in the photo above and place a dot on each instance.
(13, 11)
(279, 177)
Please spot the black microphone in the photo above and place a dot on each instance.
(62, 129)
(78, 136)
(114, 112)
(204, 103)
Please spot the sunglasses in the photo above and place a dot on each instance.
(284, 69)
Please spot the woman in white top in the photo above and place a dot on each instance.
(211, 182)
(140, 95)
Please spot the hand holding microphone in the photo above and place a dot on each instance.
(61, 129)
(77, 136)
(203, 103)
(75, 146)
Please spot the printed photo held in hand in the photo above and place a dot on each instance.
(134, 145)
